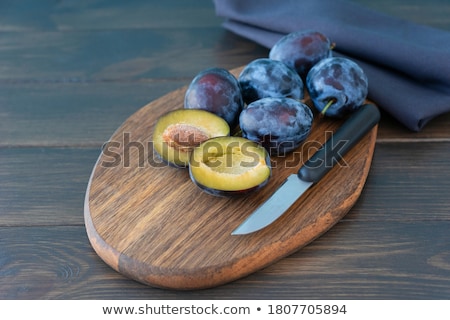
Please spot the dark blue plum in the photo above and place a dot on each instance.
(301, 50)
(216, 90)
(263, 78)
(337, 86)
(278, 124)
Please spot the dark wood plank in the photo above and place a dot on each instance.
(44, 15)
(395, 260)
(139, 14)
(82, 114)
(44, 186)
(370, 260)
(407, 181)
(124, 54)
(77, 114)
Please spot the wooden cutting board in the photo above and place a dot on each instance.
(149, 222)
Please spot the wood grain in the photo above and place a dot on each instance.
(395, 260)
(120, 55)
(43, 186)
(149, 222)
(71, 114)
(45, 15)
(68, 78)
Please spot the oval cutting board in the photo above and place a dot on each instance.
(149, 222)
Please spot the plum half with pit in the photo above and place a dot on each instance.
(278, 124)
(178, 132)
(301, 50)
(227, 166)
(215, 90)
(264, 78)
(337, 86)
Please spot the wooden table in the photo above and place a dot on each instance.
(71, 73)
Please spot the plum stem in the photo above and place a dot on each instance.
(328, 105)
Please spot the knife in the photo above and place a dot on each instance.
(351, 131)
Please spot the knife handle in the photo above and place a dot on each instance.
(353, 129)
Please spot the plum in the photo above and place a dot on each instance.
(301, 50)
(177, 132)
(279, 124)
(264, 78)
(218, 91)
(226, 166)
(337, 86)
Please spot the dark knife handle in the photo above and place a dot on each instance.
(353, 129)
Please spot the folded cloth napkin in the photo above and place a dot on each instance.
(408, 65)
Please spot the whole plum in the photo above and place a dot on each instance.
(278, 124)
(264, 78)
(215, 90)
(301, 50)
(337, 86)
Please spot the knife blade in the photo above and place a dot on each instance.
(330, 153)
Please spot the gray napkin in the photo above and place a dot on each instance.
(408, 65)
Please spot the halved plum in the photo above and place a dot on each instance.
(226, 166)
(178, 132)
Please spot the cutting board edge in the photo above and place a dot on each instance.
(212, 275)
(107, 253)
(219, 275)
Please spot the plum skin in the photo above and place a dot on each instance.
(340, 81)
(301, 50)
(265, 77)
(218, 91)
(278, 124)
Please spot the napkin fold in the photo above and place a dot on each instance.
(408, 65)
